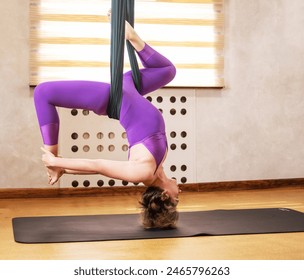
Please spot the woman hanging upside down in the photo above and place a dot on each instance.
(142, 122)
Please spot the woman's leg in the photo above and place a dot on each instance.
(133, 38)
(68, 94)
(158, 71)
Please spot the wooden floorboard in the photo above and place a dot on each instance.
(242, 247)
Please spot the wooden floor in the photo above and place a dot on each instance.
(243, 247)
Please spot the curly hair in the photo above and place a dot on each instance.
(158, 211)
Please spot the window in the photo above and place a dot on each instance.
(70, 39)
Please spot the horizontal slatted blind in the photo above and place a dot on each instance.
(70, 39)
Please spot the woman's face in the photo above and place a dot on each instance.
(172, 190)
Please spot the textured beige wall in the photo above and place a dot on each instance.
(19, 138)
(253, 129)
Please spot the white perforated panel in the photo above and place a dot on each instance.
(84, 134)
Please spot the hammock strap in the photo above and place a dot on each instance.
(121, 10)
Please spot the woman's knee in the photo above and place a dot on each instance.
(172, 72)
(40, 91)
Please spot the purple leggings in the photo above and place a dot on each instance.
(142, 122)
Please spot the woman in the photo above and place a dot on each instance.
(142, 122)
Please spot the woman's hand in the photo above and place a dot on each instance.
(53, 172)
(48, 158)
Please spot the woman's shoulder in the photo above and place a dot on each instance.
(139, 152)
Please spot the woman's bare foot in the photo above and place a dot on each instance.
(130, 33)
(54, 174)
(109, 14)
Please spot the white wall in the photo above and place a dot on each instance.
(252, 129)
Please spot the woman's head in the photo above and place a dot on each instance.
(158, 209)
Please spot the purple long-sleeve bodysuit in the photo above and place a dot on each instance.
(142, 122)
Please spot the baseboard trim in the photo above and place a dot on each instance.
(9, 193)
(251, 185)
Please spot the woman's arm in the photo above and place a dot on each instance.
(131, 171)
(79, 172)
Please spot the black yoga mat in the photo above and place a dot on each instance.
(52, 229)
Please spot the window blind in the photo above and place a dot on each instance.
(70, 39)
